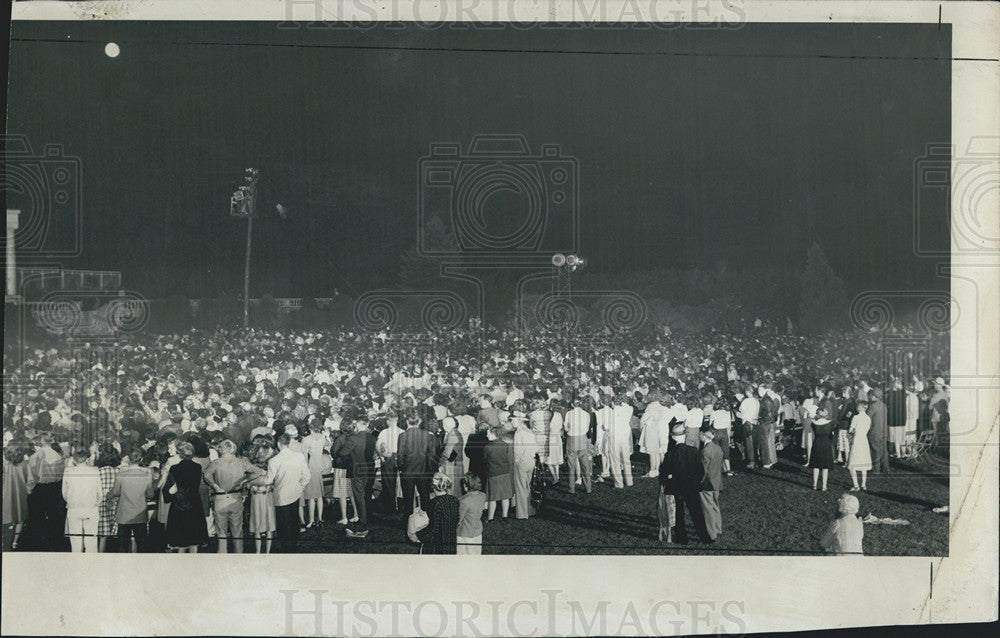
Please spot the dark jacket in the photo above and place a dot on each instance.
(440, 535)
(681, 471)
(361, 449)
(416, 452)
(497, 458)
(768, 409)
(895, 405)
(848, 408)
(474, 450)
(880, 429)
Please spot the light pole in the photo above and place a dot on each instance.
(562, 266)
(244, 204)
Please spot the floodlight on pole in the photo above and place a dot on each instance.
(563, 265)
(243, 203)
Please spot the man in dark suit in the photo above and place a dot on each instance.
(415, 456)
(711, 485)
(361, 473)
(895, 407)
(681, 474)
(878, 435)
(474, 450)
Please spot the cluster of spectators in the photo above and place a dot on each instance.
(167, 440)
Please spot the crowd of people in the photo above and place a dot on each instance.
(257, 435)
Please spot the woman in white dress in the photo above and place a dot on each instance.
(859, 460)
(807, 412)
(651, 440)
(556, 440)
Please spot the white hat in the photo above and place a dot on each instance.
(291, 430)
(939, 381)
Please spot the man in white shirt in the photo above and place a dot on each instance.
(578, 447)
(721, 420)
(749, 412)
(619, 441)
(603, 415)
(81, 489)
(386, 445)
(693, 421)
(289, 473)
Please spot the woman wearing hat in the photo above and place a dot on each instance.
(821, 459)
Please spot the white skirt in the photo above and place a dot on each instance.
(897, 434)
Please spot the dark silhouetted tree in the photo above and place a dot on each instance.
(823, 304)
(422, 271)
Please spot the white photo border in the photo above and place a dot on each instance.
(104, 594)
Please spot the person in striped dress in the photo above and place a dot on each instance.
(262, 516)
(108, 462)
(341, 487)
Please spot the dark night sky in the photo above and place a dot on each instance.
(693, 145)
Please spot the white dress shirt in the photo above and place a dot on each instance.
(289, 472)
(749, 410)
(81, 487)
(388, 440)
(577, 422)
(694, 418)
(721, 420)
(620, 432)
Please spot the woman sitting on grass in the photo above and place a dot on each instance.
(844, 534)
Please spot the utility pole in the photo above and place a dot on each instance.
(243, 203)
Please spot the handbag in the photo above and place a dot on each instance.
(537, 485)
(417, 521)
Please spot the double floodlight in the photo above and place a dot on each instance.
(572, 262)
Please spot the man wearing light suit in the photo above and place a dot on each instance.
(578, 447)
(525, 449)
(619, 440)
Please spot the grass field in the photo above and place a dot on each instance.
(771, 511)
(764, 512)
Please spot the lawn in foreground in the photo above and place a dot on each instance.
(764, 512)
